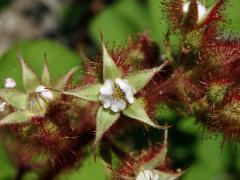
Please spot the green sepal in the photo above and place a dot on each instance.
(14, 97)
(137, 111)
(140, 79)
(30, 79)
(45, 79)
(105, 119)
(61, 83)
(16, 118)
(158, 160)
(110, 69)
(90, 92)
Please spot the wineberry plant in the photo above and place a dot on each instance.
(49, 126)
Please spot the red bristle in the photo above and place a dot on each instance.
(216, 15)
(173, 10)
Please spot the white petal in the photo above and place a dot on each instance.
(201, 9)
(40, 88)
(185, 7)
(123, 84)
(44, 92)
(129, 97)
(127, 89)
(2, 106)
(106, 100)
(10, 83)
(118, 105)
(47, 94)
(156, 177)
(145, 175)
(107, 88)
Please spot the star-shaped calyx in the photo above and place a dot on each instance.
(37, 96)
(117, 95)
(151, 163)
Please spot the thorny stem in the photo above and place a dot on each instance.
(69, 160)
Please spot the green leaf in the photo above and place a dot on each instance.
(137, 111)
(89, 92)
(61, 83)
(59, 58)
(141, 78)
(45, 80)
(30, 79)
(110, 69)
(157, 30)
(83, 172)
(8, 170)
(158, 160)
(14, 97)
(123, 21)
(105, 119)
(16, 118)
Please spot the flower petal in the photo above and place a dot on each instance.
(2, 106)
(127, 89)
(146, 175)
(129, 96)
(10, 83)
(118, 105)
(106, 100)
(162, 175)
(201, 9)
(44, 92)
(107, 88)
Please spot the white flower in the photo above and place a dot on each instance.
(113, 99)
(10, 83)
(2, 106)
(201, 9)
(147, 175)
(44, 92)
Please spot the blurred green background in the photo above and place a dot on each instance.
(72, 32)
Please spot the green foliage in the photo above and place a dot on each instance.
(60, 59)
(7, 169)
(90, 170)
(117, 22)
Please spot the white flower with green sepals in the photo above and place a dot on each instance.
(116, 95)
(34, 101)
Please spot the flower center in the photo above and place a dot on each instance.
(116, 95)
(39, 99)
